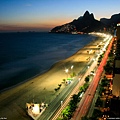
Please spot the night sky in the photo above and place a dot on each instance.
(43, 15)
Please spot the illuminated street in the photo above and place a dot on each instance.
(55, 107)
(87, 99)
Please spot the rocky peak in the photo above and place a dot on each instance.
(86, 14)
(85, 23)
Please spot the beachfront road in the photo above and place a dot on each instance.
(89, 94)
(55, 105)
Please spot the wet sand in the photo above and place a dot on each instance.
(41, 88)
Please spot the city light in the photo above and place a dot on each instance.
(72, 67)
(66, 70)
(36, 109)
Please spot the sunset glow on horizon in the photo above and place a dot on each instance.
(43, 15)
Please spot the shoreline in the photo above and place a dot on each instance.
(44, 71)
(41, 88)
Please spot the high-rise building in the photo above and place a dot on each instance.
(116, 71)
(118, 31)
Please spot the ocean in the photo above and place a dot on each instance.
(25, 55)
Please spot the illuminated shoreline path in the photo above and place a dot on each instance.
(85, 103)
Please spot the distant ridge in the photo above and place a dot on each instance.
(112, 21)
(87, 23)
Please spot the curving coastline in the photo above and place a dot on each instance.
(41, 88)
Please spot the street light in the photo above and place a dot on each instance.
(66, 70)
(72, 67)
(61, 102)
(79, 79)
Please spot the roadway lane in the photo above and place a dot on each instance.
(89, 94)
(55, 105)
(76, 89)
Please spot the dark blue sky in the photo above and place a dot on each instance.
(40, 15)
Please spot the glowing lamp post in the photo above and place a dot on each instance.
(72, 69)
(66, 70)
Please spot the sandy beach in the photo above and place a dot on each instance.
(41, 88)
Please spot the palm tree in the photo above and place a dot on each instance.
(87, 79)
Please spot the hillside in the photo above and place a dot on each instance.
(87, 23)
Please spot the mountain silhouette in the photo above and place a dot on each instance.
(87, 23)
(112, 21)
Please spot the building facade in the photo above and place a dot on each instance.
(116, 71)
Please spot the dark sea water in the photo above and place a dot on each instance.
(24, 55)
